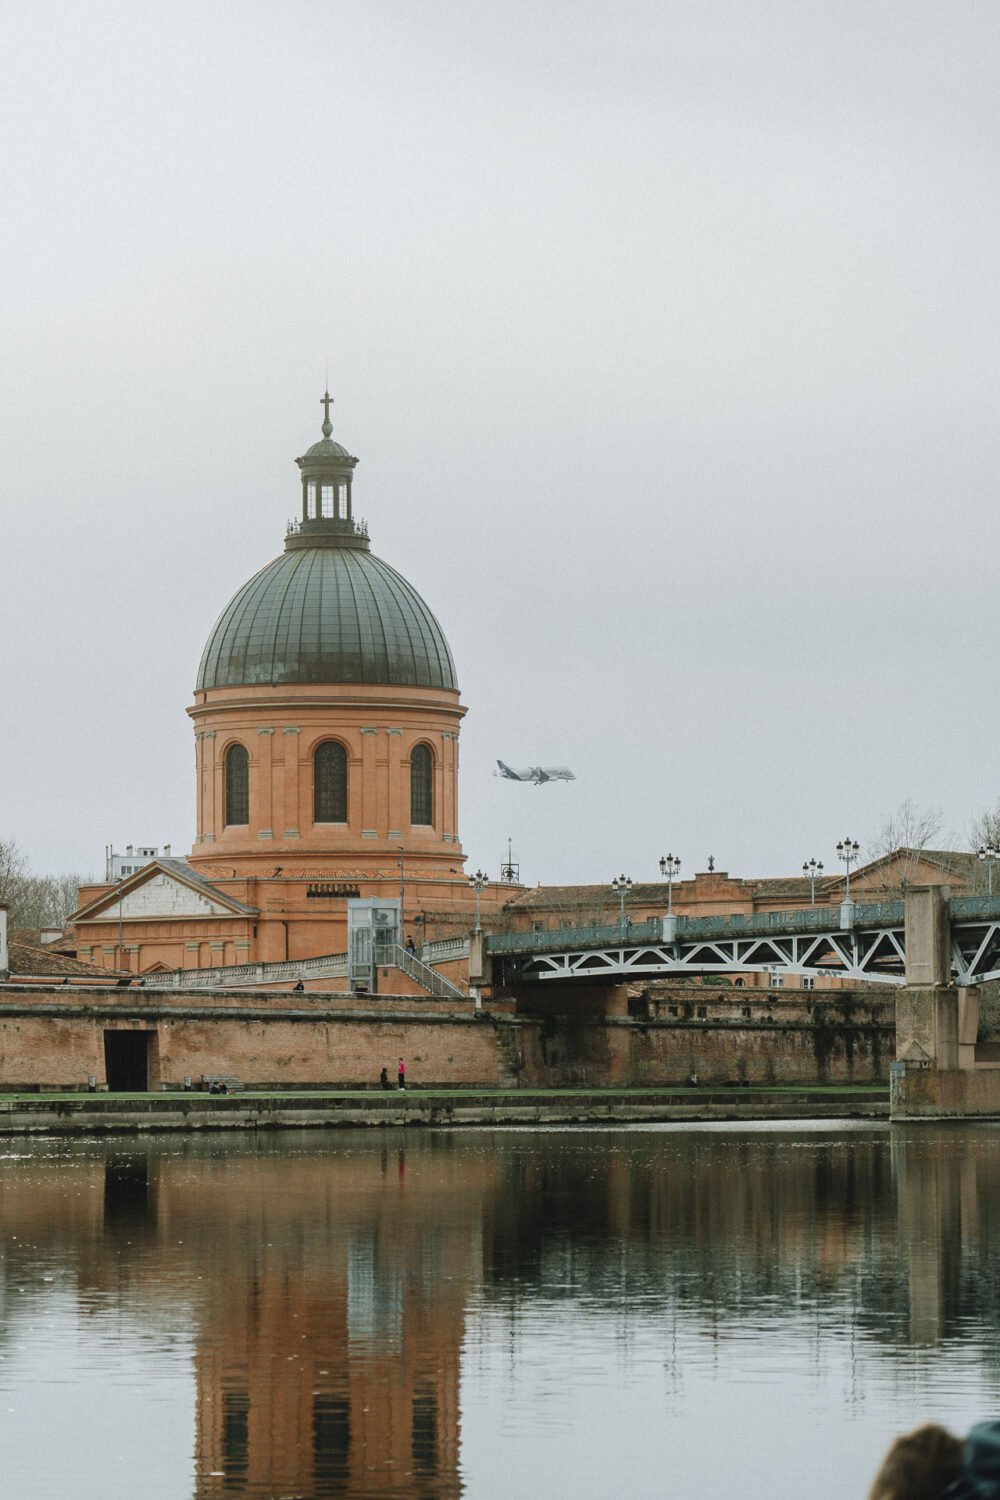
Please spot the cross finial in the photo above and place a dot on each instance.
(325, 402)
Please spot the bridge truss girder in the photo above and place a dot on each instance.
(975, 952)
(871, 956)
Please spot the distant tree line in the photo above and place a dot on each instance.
(34, 900)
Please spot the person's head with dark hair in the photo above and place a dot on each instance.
(933, 1464)
(919, 1466)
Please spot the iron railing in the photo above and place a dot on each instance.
(733, 924)
(391, 955)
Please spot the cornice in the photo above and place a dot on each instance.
(274, 707)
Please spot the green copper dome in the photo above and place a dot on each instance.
(327, 614)
(326, 448)
(327, 610)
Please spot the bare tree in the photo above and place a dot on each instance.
(906, 832)
(34, 900)
(985, 831)
(985, 834)
(13, 870)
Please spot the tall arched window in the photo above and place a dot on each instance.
(421, 785)
(330, 783)
(237, 785)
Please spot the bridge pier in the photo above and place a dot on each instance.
(939, 1072)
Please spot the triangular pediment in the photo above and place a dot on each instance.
(158, 893)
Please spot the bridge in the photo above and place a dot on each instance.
(863, 943)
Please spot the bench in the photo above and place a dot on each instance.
(221, 1083)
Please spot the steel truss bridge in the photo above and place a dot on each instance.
(866, 944)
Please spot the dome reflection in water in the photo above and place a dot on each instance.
(578, 1312)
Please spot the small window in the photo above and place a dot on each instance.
(326, 501)
(746, 1012)
(237, 785)
(421, 787)
(808, 981)
(702, 1012)
(776, 980)
(342, 499)
(740, 983)
(311, 501)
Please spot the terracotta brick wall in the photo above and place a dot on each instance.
(256, 1041)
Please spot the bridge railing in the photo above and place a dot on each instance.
(806, 919)
(732, 924)
(593, 936)
(969, 908)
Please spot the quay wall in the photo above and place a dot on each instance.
(51, 1041)
(641, 1036)
(602, 1037)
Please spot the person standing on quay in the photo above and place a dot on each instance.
(402, 1074)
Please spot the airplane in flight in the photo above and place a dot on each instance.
(537, 774)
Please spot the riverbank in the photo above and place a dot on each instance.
(100, 1114)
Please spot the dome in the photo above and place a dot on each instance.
(327, 614)
(326, 448)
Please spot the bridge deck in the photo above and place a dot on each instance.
(863, 942)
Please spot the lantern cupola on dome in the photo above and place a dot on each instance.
(327, 511)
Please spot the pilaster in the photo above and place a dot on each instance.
(395, 813)
(369, 788)
(291, 734)
(263, 800)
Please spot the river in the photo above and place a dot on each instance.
(649, 1311)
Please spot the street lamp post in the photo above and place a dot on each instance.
(987, 855)
(478, 882)
(622, 884)
(810, 870)
(669, 867)
(848, 851)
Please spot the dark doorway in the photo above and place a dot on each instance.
(126, 1058)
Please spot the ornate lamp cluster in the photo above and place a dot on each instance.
(478, 883)
(670, 866)
(848, 851)
(622, 884)
(812, 870)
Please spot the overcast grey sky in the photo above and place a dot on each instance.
(666, 334)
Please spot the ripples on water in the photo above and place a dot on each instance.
(654, 1311)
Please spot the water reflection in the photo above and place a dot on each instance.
(366, 1315)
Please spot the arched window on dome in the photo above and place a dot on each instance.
(330, 783)
(237, 785)
(421, 785)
